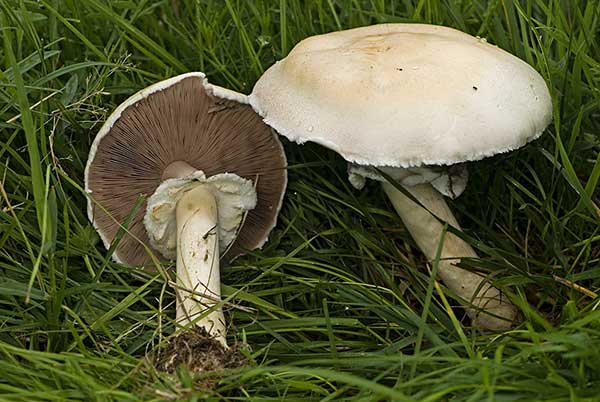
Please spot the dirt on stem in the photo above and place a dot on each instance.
(198, 352)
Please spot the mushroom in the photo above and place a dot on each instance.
(412, 102)
(215, 176)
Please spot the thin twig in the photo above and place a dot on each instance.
(573, 285)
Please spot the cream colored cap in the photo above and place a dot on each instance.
(404, 95)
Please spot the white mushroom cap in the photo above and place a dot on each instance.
(404, 95)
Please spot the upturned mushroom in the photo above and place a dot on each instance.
(213, 176)
(415, 102)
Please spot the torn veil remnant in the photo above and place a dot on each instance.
(215, 175)
(412, 101)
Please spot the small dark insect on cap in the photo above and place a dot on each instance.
(181, 119)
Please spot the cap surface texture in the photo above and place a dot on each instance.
(181, 119)
(404, 95)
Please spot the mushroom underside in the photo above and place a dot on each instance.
(186, 123)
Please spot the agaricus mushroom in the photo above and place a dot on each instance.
(215, 176)
(413, 101)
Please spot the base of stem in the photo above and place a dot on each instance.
(490, 308)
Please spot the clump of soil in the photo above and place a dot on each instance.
(199, 352)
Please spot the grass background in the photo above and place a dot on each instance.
(340, 304)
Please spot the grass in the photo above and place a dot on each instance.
(339, 305)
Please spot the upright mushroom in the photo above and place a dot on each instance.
(215, 176)
(413, 101)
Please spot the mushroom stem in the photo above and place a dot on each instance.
(488, 307)
(198, 275)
